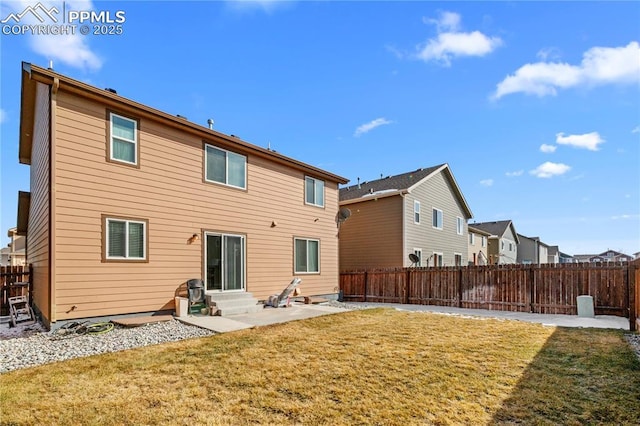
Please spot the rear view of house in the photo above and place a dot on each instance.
(422, 213)
(127, 203)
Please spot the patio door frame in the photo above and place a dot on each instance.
(223, 263)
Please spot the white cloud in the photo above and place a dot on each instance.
(514, 174)
(367, 127)
(600, 65)
(451, 43)
(548, 148)
(548, 53)
(588, 141)
(549, 169)
(626, 217)
(486, 182)
(636, 130)
(70, 49)
(3, 116)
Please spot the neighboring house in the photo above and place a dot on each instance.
(127, 203)
(636, 255)
(553, 254)
(532, 251)
(607, 256)
(14, 253)
(4, 256)
(503, 241)
(422, 212)
(566, 258)
(478, 246)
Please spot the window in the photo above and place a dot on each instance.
(437, 259)
(458, 259)
(307, 256)
(313, 191)
(472, 238)
(459, 225)
(510, 247)
(123, 139)
(416, 211)
(484, 241)
(225, 167)
(418, 253)
(125, 239)
(502, 244)
(437, 218)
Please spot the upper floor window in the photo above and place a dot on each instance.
(314, 191)
(472, 238)
(416, 211)
(459, 226)
(125, 239)
(510, 246)
(484, 241)
(123, 139)
(437, 218)
(307, 256)
(502, 245)
(225, 167)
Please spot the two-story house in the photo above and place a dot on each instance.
(532, 251)
(503, 241)
(14, 253)
(478, 246)
(127, 203)
(422, 213)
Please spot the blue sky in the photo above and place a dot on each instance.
(534, 105)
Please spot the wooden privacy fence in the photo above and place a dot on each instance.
(10, 275)
(544, 289)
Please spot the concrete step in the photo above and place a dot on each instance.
(234, 303)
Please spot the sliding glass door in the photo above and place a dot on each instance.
(224, 262)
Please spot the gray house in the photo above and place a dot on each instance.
(422, 212)
(503, 241)
(532, 251)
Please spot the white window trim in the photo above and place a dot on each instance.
(226, 159)
(294, 256)
(127, 222)
(459, 225)
(454, 258)
(441, 219)
(484, 241)
(416, 210)
(314, 186)
(418, 250)
(134, 141)
(435, 258)
(472, 238)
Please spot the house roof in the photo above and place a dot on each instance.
(551, 248)
(497, 228)
(32, 74)
(399, 184)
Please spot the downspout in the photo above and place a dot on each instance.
(404, 227)
(52, 196)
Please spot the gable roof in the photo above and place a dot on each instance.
(32, 74)
(400, 184)
(498, 228)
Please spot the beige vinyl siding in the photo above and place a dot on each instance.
(372, 236)
(39, 233)
(168, 191)
(435, 192)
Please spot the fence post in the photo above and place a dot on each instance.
(460, 275)
(365, 285)
(407, 286)
(532, 289)
(631, 295)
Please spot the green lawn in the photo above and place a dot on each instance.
(367, 367)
